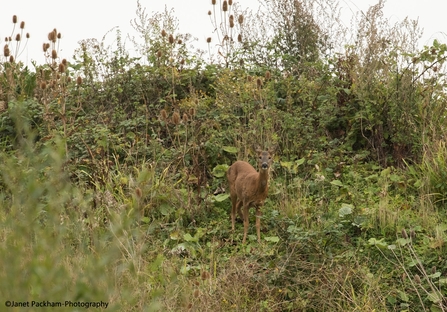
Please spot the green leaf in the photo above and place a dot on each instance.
(221, 197)
(187, 237)
(403, 296)
(345, 210)
(230, 149)
(220, 170)
(273, 239)
(337, 183)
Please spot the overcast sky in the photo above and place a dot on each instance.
(84, 19)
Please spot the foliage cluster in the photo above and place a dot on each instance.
(112, 171)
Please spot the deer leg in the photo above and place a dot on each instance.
(258, 223)
(239, 211)
(245, 222)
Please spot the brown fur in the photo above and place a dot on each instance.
(249, 188)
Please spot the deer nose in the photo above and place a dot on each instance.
(264, 165)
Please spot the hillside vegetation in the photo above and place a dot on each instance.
(112, 165)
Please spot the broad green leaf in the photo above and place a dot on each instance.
(345, 210)
(220, 170)
(187, 237)
(337, 183)
(221, 197)
(230, 149)
(273, 239)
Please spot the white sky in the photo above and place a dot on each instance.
(84, 19)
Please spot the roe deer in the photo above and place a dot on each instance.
(249, 188)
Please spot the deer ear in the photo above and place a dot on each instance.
(258, 149)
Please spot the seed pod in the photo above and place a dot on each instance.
(43, 85)
(192, 111)
(27, 35)
(61, 68)
(404, 234)
(196, 293)
(159, 54)
(59, 36)
(179, 41)
(240, 19)
(259, 83)
(11, 59)
(185, 118)
(64, 61)
(138, 192)
(230, 2)
(163, 115)
(239, 38)
(208, 40)
(417, 279)
(225, 6)
(267, 75)
(171, 39)
(6, 51)
(79, 80)
(209, 12)
(18, 37)
(175, 119)
(213, 2)
(231, 21)
(14, 19)
(22, 25)
(54, 54)
(163, 33)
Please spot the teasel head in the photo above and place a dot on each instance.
(159, 54)
(208, 40)
(11, 59)
(230, 2)
(14, 19)
(79, 80)
(404, 234)
(64, 61)
(138, 192)
(171, 39)
(59, 35)
(239, 38)
(163, 33)
(52, 36)
(196, 293)
(185, 118)
(179, 41)
(6, 51)
(27, 35)
(213, 2)
(225, 6)
(45, 47)
(18, 37)
(43, 85)
(417, 279)
(192, 111)
(205, 275)
(61, 68)
(249, 78)
(267, 75)
(163, 115)
(231, 21)
(259, 83)
(412, 234)
(209, 12)
(240, 19)
(54, 54)
(22, 25)
(175, 119)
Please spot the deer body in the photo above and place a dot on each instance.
(249, 188)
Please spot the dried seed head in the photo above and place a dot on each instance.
(18, 37)
(61, 68)
(14, 19)
(192, 111)
(171, 39)
(213, 2)
(249, 78)
(68, 79)
(6, 51)
(44, 47)
(433, 270)
(64, 61)
(240, 19)
(417, 279)
(138, 192)
(230, 2)
(6, 39)
(79, 80)
(267, 75)
(27, 35)
(159, 53)
(163, 115)
(209, 12)
(225, 6)
(241, 62)
(208, 40)
(196, 293)
(435, 68)
(11, 59)
(163, 33)
(231, 21)
(259, 83)
(54, 54)
(412, 234)
(189, 305)
(185, 118)
(404, 234)
(179, 41)
(43, 85)
(205, 275)
(59, 36)
(22, 25)
(175, 119)
(182, 62)
(52, 36)
(239, 38)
